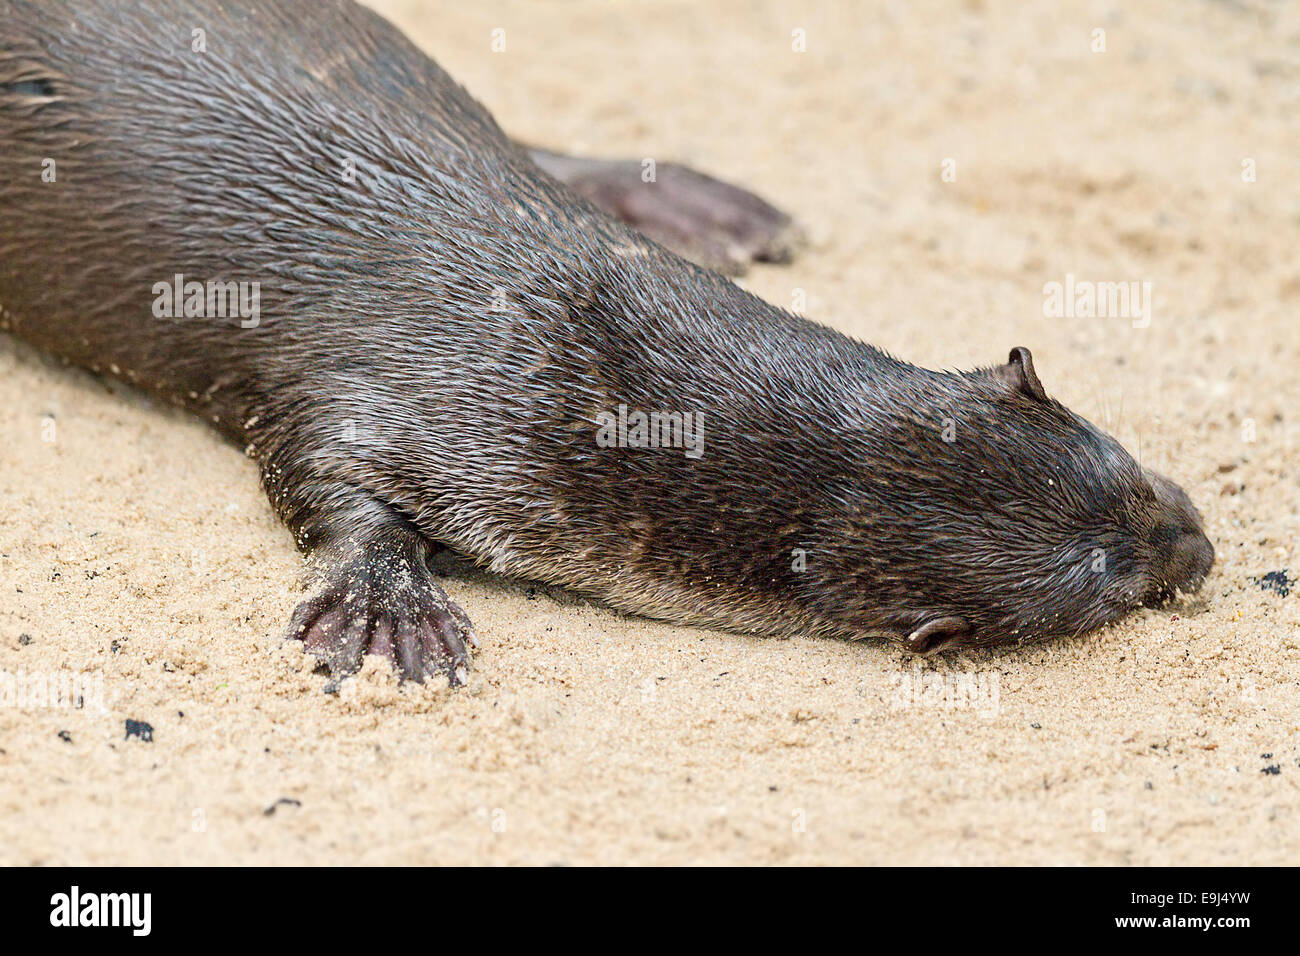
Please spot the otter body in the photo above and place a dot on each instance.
(432, 337)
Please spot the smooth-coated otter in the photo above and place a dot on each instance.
(287, 218)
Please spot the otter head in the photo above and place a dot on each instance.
(996, 515)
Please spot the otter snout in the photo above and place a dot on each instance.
(1186, 554)
(1190, 558)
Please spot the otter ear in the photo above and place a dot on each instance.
(937, 635)
(1019, 374)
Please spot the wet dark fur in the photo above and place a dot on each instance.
(470, 317)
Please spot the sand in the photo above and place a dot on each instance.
(136, 547)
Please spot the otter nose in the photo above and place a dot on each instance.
(1190, 560)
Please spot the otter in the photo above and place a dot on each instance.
(305, 231)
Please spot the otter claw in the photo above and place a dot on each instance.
(382, 604)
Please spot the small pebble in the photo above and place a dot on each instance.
(1276, 581)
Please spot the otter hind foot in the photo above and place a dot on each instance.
(379, 597)
(712, 223)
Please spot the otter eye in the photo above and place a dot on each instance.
(1165, 534)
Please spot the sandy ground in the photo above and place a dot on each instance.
(137, 548)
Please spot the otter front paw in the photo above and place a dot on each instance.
(379, 598)
(713, 223)
(716, 224)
